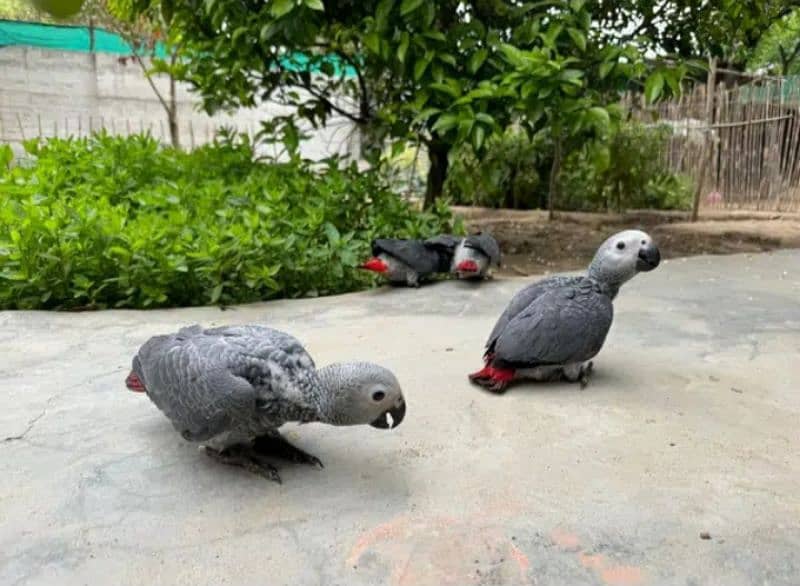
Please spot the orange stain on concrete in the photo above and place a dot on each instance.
(522, 560)
(565, 540)
(385, 531)
(595, 562)
(622, 576)
(441, 551)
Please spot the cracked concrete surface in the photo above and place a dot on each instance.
(689, 426)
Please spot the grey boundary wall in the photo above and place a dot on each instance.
(60, 93)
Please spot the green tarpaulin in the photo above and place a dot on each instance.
(77, 38)
(62, 38)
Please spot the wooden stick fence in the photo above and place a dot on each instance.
(740, 145)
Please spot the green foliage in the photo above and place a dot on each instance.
(779, 48)
(440, 73)
(689, 29)
(18, 10)
(115, 222)
(571, 88)
(623, 171)
(511, 173)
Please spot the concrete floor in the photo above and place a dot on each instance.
(690, 426)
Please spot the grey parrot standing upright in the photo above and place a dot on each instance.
(231, 388)
(407, 262)
(554, 327)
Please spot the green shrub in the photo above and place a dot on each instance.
(512, 174)
(631, 174)
(123, 222)
(620, 172)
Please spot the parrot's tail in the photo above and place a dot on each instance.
(134, 383)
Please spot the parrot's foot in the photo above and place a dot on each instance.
(279, 447)
(246, 458)
(579, 373)
(585, 372)
(492, 379)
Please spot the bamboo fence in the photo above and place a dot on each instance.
(741, 145)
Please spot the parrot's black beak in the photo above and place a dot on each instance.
(391, 418)
(649, 258)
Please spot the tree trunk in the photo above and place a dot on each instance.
(555, 179)
(437, 173)
(172, 111)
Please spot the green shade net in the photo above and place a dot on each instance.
(77, 38)
(63, 38)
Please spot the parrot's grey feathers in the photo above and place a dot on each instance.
(486, 244)
(413, 253)
(421, 256)
(566, 324)
(564, 320)
(446, 242)
(210, 381)
(523, 298)
(236, 383)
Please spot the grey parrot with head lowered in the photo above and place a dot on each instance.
(472, 256)
(407, 262)
(475, 255)
(553, 328)
(231, 388)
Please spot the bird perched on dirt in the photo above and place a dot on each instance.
(475, 255)
(231, 388)
(407, 262)
(554, 327)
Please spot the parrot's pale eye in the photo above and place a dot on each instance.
(620, 245)
(378, 396)
(644, 242)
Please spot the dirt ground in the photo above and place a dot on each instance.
(533, 245)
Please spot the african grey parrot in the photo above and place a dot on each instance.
(475, 255)
(232, 387)
(472, 255)
(407, 261)
(553, 327)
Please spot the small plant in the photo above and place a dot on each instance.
(123, 222)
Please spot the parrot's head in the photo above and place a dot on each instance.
(623, 255)
(358, 393)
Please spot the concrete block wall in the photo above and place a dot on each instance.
(60, 93)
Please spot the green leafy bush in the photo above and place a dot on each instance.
(123, 222)
(511, 174)
(627, 171)
(620, 172)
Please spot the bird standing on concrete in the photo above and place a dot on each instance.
(554, 327)
(231, 388)
(407, 262)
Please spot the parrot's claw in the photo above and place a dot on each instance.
(585, 372)
(277, 446)
(243, 457)
(495, 386)
(498, 387)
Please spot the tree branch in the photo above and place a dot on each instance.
(329, 104)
